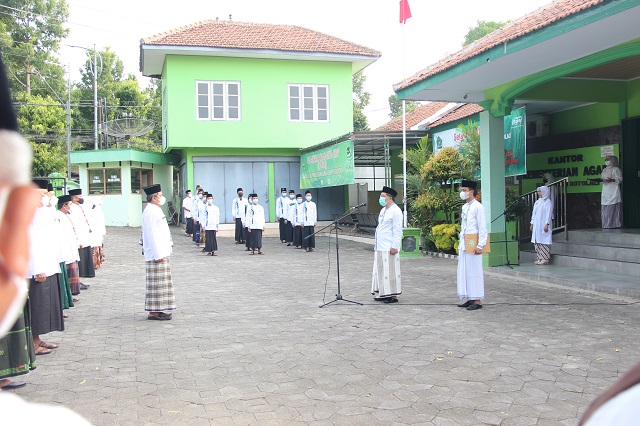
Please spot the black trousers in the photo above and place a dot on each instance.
(283, 229)
(211, 243)
(189, 226)
(311, 241)
(297, 236)
(247, 237)
(289, 232)
(239, 236)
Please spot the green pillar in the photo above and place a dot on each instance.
(492, 184)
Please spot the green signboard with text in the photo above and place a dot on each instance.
(581, 165)
(515, 148)
(331, 166)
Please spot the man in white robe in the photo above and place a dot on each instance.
(211, 224)
(256, 222)
(237, 211)
(156, 248)
(309, 220)
(69, 243)
(281, 210)
(470, 273)
(83, 231)
(187, 205)
(385, 282)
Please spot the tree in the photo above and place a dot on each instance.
(35, 29)
(361, 99)
(481, 29)
(395, 105)
(469, 148)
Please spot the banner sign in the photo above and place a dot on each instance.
(331, 166)
(579, 165)
(515, 138)
(515, 143)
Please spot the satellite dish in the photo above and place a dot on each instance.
(124, 128)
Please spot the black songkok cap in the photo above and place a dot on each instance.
(64, 199)
(239, 189)
(209, 195)
(49, 187)
(41, 183)
(468, 184)
(283, 189)
(153, 189)
(389, 191)
(291, 191)
(253, 195)
(307, 192)
(298, 195)
(75, 191)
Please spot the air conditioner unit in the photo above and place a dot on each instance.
(538, 126)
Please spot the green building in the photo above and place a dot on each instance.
(240, 100)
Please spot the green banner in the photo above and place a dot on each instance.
(331, 166)
(582, 166)
(515, 148)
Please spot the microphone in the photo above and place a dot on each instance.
(359, 205)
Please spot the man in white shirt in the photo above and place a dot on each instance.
(470, 273)
(187, 205)
(246, 215)
(309, 219)
(290, 214)
(281, 210)
(156, 248)
(211, 223)
(83, 229)
(69, 243)
(256, 225)
(196, 218)
(386, 283)
(297, 219)
(237, 210)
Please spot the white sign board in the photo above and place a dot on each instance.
(606, 150)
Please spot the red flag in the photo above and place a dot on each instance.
(405, 11)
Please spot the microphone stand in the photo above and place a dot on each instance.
(335, 228)
(506, 241)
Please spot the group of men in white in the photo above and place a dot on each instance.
(297, 218)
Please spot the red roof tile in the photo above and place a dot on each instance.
(542, 17)
(244, 35)
(465, 110)
(414, 117)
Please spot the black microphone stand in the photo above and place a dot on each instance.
(506, 241)
(335, 228)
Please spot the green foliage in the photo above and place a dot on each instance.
(469, 149)
(481, 29)
(361, 99)
(446, 236)
(395, 105)
(39, 117)
(439, 199)
(443, 167)
(48, 158)
(516, 206)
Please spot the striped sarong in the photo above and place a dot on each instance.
(65, 288)
(386, 281)
(74, 278)
(159, 295)
(17, 354)
(97, 259)
(543, 251)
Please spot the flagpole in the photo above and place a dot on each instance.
(404, 144)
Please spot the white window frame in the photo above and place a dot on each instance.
(225, 96)
(301, 108)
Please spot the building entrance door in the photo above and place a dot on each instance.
(631, 172)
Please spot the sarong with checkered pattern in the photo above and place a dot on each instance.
(159, 295)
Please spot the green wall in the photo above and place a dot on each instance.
(589, 117)
(263, 99)
(633, 98)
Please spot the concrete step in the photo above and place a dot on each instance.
(603, 265)
(596, 252)
(629, 238)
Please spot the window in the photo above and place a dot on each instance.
(140, 179)
(308, 102)
(218, 100)
(105, 181)
(372, 175)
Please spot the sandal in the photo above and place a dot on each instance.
(260, 252)
(46, 345)
(42, 351)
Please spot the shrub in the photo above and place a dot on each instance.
(446, 236)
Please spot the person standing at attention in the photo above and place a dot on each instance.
(386, 283)
(237, 210)
(281, 209)
(156, 248)
(309, 220)
(611, 198)
(187, 205)
(474, 225)
(256, 225)
(211, 223)
(541, 226)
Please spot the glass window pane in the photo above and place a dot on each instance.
(322, 115)
(308, 114)
(295, 103)
(294, 91)
(218, 100)
(322, 104)
(233, 101)
(203, 100)
(203, 88)
(135, 181)
(218, 112)
(308, 103)
(322, 92)
(308, 91)
(203, 112)
(233, 88)
(234, 113)
(147, 178)
(294, 114)
(218, 88)
(114, 186)
(96, 181)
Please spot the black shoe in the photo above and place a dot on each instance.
(391, 300)
(84, 286)
(288, 244)
(474, 307)
(160, 317)
(466, 304)
(380, 299)
(13, 385)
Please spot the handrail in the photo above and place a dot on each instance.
(558, 195)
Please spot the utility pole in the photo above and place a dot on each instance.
(95, 99)
(68, 124)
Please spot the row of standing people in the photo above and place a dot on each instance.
(203, 220)
(297, 218)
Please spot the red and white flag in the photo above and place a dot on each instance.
(405, 11)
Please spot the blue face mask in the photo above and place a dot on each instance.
(200, 196)
(382, 201)
(299, 200)
(292, 196)
(255, 201)
(308, 198)
(284, 194)
(210, 202)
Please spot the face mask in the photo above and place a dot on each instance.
(284, 194)
(45, 200)
(199, 196)
(308, 198)
(464, 195)
(210, 202)
(188, 195)
(255, 201)
(292, 196)
(240, 194)
(299, 200)
(607, 163)
(162, 200)
(81, 201)
(382, 201)
(54, 200)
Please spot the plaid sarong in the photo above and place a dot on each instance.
(159, 295)
(74, 278)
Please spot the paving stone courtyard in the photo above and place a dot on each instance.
(249, 345)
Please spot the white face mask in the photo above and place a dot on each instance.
(464, 195)
(45, 200)
(162, 200)
(607, 163)
(54, 201)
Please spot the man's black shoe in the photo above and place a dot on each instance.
(84, 286)
(465, 304)
(474, 307)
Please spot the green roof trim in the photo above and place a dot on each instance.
(570, 23)
(106, 155)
